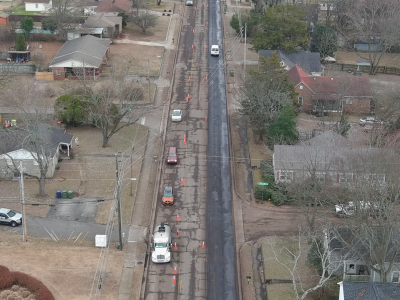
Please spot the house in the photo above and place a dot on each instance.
(309, 61)
(346, 262)
(79, 32)
(38, 5)
(114, 6)
(110, 24)
(333, 159)
(367, 290)
(90, 7)
(4, 20)
(85, 55)
(350, 94)
(16, 147)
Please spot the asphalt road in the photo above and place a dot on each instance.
(188, 177)
(221, 266)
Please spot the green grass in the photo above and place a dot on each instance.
(20, 10)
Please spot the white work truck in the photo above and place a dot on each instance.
(161, 244)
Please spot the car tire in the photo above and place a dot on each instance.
(13, 224)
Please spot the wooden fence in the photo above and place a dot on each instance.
(363, 69)
(44, 76)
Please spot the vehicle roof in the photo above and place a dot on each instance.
(168, 189)
(176, 110)
(172, 149)
(4, 210)
(162, 234)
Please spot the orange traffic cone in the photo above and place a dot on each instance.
(201, 246)
(177, 216)
(206, 119)
(207, 22)
(195, 8)
(206, 78)
(184, 137)
(188, 96)
(192, 46)
(206, 47)
(177, 231)
(184, 142)
(193, 30)
(175, 247)
(182, 183)
(189, 78)
(174, 280)
(175, 271)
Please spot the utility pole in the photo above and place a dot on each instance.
(245, 48)
(117, 186)
(22, 196)
(131, 170)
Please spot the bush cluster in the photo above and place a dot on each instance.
(11, 280)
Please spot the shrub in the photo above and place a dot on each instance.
(262, 192)
(267, 171)
(278, 198)
(5, 294)
(313, 256)
(6, 280)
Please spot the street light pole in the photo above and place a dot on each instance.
(21, 192)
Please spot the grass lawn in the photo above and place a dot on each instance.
(20, 10)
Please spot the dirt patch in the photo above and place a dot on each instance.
(66, 269)
(164, 5)
(153, 34)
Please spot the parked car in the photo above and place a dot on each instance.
(168, 196)
(369, 120)
(176, 115)
(10, 217)
(350, 209)
(214, 50)
(189, 2)
(172, 156)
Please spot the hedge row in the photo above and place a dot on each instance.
(8, 279)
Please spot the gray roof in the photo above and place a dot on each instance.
(87, 49)
(94, 3)
(365, 290)
(20, 138)
(332, 159)
(346, 234)
(308, 61)
(102, 20)
(328, 139)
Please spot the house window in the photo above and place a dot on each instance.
(286, 176)
(395, 276)
(300, 99)
(58, 72)
(36, 5)
(345, 177)
(378, 178)
(105, 30)
(349, 100)
(16, 175)
(320, 177)
(301, 87)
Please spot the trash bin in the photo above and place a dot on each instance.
(70, 194)
(231, 73)
(309, 111)
(58, 194)
(66, 74)
(64, 194)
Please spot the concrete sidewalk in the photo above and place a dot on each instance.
(136, 246)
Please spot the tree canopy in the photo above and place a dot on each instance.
(21, 42)
(324, 41)
(49, 24)
(265, 93)
(283, 130)
(250, 18)
(71, 109)
(27, 26)
(281, 28)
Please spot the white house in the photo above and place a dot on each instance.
(37, 5)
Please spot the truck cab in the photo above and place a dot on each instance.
(161, 244)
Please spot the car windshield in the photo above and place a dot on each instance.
(176, 113)
(11, 213)
(171, 154)
(160, 245)
(168, 193)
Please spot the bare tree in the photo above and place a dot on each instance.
(29, 102)
(290, 253)
(374, 23)
(145, 19)
(65, 12)
(112, 104)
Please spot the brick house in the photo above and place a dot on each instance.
(351, 94)
(38, 5)
(110, 24)
(113, 6)
(84, 56)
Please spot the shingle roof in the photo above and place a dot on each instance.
(19, 138)
(101, 20)
(88, 50)
(325, 87)
(363, 290)
(309, 61)
(95, 3)
(114, 6)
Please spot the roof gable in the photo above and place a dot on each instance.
(368, 290)
(86, 50)
(328, 139)
(309, 61)
(102, 20)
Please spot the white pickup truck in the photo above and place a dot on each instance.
(350, 209)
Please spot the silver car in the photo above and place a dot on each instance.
(10, 217)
